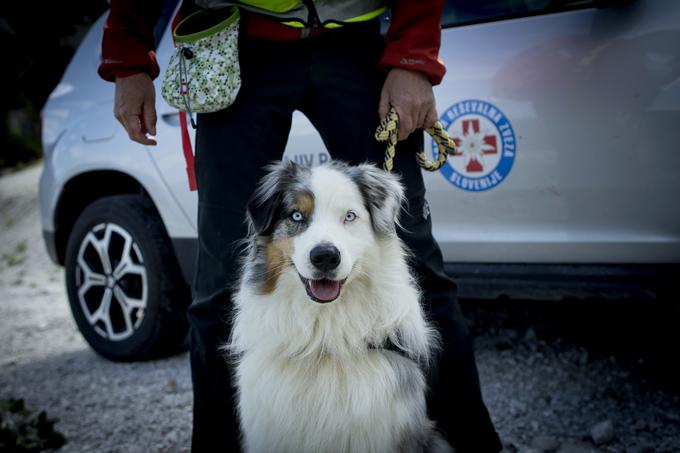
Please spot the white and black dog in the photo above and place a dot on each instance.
(329, 338)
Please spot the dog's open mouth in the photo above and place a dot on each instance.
(322, 290)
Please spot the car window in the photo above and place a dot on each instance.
(463, 12)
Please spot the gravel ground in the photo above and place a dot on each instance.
(561, 377)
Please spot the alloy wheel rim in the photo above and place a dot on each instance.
(111, 281)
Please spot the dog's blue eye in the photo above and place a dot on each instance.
(297, 216)
(350, 216)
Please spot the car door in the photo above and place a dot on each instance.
(566, 114)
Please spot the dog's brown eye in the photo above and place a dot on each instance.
(351, 216)
(297, 216)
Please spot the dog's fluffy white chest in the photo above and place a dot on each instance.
(361, 405)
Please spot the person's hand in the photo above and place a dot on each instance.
(135, 107)
(410, 93)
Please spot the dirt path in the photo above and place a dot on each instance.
(101, 406)
(544, 395)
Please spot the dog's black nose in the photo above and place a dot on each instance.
(325, 257)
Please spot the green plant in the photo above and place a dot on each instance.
(16, 257)
(22, 430)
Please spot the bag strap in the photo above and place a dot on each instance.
(188, 152)
(184, 129)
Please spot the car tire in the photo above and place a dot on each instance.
(124, 285)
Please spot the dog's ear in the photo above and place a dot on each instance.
(264, 207)
(383, 196)
(263, 212)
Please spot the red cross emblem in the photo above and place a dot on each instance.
(474, 144)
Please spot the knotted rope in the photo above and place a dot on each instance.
(388, 131)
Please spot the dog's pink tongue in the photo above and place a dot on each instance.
(325, 290)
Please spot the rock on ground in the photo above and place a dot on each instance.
(603, 432)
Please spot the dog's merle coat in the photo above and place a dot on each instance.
(314, 369)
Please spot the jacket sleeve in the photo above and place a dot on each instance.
(414, 37)
(128, 43)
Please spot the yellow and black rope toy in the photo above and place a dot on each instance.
(388, 131)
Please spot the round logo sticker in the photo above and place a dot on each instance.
(486, 145)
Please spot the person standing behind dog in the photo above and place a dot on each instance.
(344, 80)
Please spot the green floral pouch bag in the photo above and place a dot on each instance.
(203, 75)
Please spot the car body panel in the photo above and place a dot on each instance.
(585, 91)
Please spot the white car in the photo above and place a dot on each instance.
(567, 114)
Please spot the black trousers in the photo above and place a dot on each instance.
(335, 81)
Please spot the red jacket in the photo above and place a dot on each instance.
(412, 41)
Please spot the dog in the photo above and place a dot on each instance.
(329, 339)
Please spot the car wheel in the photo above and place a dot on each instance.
(124, 285)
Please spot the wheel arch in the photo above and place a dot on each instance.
(82, 190)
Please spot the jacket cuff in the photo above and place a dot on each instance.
(123, 55)
(110, 74)
(128, 39)
(433, 69)
(110, 69)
